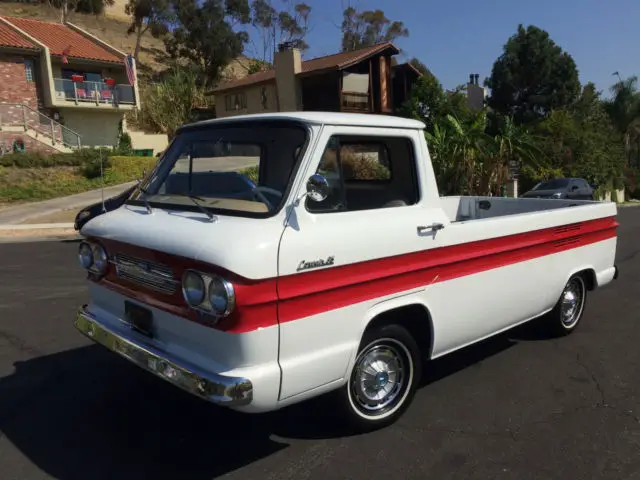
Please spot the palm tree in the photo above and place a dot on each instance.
(513, 145)
(624, 111)
(457, 149)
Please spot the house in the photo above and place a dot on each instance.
(364, 81)
(475, 93)
(60, 87)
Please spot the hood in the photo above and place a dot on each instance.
(245, 246)
(541, 193)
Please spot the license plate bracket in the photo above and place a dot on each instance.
(140, 318)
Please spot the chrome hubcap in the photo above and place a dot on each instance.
(378, 378)
(571, 302)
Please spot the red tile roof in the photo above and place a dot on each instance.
(337, 61)
(9, 38)
(57, 37)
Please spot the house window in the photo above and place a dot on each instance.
(235, 101)
(28, 70)
(263, 98)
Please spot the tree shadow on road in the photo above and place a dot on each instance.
(86, 413)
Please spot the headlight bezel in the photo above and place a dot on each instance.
(207, 307)
(192, 302)
(99, 258)
(229, 292)
(86, 258)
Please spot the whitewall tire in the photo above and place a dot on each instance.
(384, 378)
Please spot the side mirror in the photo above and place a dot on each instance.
(575, 187)
(317, 188)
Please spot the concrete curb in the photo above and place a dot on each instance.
(52, 238)
(35, 226)
(13, 215)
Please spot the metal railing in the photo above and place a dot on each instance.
(93, 92)
(20, 115)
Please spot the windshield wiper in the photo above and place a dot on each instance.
(196, 201)
(144, 198)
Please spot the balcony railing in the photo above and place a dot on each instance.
(19, 115)
(355, 102)
(98, 93)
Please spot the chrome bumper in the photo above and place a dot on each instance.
(218, 389)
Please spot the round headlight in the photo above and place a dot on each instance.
(100, 259)
(221, 296)
(85, 255)
(193, 288)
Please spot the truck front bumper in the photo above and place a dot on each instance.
(215, 388)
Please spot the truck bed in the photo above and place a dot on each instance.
(462, 209)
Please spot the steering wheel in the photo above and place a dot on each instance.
(257, 191)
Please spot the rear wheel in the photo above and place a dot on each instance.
(384, 378)
(567, 313)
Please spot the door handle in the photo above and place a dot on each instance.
(434, 227)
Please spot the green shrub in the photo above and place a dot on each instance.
(251, 172)
(355, 166)
(125, 147)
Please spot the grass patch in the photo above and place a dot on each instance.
(30, 184)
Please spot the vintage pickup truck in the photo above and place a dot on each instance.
(339, 270)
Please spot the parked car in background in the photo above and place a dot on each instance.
(567, 188)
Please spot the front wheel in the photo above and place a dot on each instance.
(384, 378)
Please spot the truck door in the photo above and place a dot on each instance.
(336, 255)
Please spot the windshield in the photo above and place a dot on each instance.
(241, 168)
(552, 184)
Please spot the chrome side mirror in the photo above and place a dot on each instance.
(317, 188)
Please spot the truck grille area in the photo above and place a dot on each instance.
(152, 275)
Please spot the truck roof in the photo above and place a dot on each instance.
(322, 118)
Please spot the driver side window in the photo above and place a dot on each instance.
(367, 173)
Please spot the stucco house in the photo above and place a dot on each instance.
(60, 87)
(364, 81)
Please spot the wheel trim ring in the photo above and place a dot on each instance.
(572, 302)
(399, 397)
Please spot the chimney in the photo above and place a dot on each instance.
(477, 76)
(287, 64)
(471, 78)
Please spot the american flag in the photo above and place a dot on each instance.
(128, 63)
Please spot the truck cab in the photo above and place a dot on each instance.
(272, 258)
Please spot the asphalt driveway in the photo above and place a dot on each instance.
(518, 406)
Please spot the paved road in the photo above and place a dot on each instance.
(515, 407)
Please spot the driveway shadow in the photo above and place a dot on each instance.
(85, 413)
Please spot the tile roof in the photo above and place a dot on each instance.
(337, 61)
(57, 37)
(9, 38)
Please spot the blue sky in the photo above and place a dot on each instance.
(455, 38)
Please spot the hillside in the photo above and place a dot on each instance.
(153, 57)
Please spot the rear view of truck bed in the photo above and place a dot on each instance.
(460, 209)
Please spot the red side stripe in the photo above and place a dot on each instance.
(259, 304)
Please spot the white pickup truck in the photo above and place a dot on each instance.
(272, 258)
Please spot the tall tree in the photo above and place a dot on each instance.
(421, 67)
(64, 8)
(624, 111)
(363, 29)
(147, 15)
(429, 103)
(288, 25)
(206, 34)
(532, 77)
